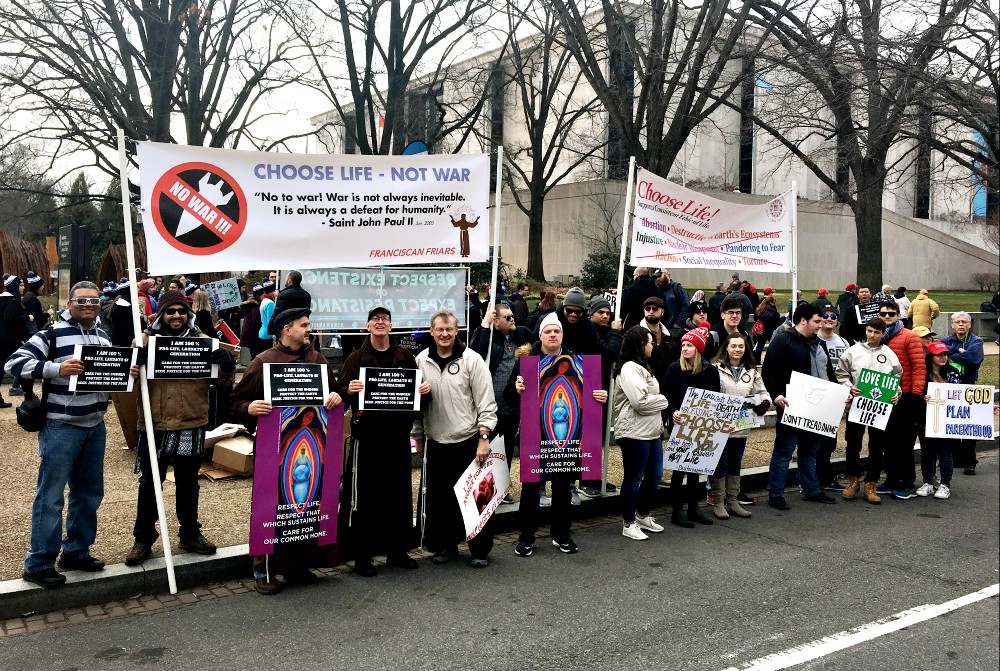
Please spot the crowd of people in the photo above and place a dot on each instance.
(662, 344)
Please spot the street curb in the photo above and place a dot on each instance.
(118, 582)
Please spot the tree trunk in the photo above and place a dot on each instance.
(536, 269)
(868, 219)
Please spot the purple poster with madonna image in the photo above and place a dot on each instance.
(296, 485)
(561, 427)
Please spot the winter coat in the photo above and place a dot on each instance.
(479, 341)
(910, 352)
(860, 355)
(461, 402)
(394, 423)
(923, 311)
(13, 320)
(537, 315)
(790, 351)
(749, 383)
(634, 296)
(969, 361)
(677, 306)
(678, 382)
(638, 403)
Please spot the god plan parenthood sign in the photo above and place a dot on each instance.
(389, 389)
(204, 209)
(288, 384)
(181, 358)
(960, 411)
(104, 368)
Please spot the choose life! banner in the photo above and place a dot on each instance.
(204, 209)
(679, 228)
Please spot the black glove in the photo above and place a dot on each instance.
(142, 358)
(762, 407)
(224, 360)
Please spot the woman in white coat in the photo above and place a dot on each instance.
(738, 376)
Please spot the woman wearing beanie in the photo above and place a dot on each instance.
(32, 305)
(638, 431)
(737, 376)
(13, 321)
(691, 371)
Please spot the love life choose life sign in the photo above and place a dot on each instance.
(874, 405)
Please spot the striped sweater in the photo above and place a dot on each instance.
(84, 409)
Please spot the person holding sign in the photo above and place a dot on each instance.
(691, 371)
(795, 350)
(638, 431)
(937, 450)
(870, 355)
(293, 345)
(180, 415)
(737, 376)
(966, 356)
(454, 428)
(377, 478)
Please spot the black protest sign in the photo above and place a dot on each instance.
(389, 389)
(866, 312)
(296, 384)
(104, 368)
(181, 358)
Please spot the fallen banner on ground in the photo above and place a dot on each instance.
(296, 482)
(342, 297)
(697, 441)
(963, 411)
(480, 490)
(205, 209)
(814, 404)
(677, 227)
(874, 405)
(561, 425)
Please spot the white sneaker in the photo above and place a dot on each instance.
(649, 524)
(634, 532)
(943, 492)
(926, 489)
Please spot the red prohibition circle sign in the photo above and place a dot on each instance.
(198, 208)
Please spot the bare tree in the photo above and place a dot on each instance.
(868, 72)
(382, 64)
(660, 68)
(180, 71)
(27, 210)
(562, 131)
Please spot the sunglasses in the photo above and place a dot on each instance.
(170, 312)
(573, 311)
(509, 318)
(886, 314)
(648, 308)
(87, 301)
(828, 315)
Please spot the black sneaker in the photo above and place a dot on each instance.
(199, 545)
(85, 563)
(566, 545)
(835, 485)
(745, 500)
(591, 492)
(883, 487)
(970, 470)
(778, 502)
(5, 404)
(46, 577)
(363, 567)
(819, 497)
(445, 556)
(523, 549)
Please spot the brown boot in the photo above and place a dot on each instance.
(851, 490)
(719, 498)
(732, 492)
(870, 495)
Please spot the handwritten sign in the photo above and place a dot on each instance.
(814, 404)
(963, 411)
(696, 442)
(223, 294)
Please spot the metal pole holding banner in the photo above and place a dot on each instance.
(143, 383)
(795, 248)
(496, 248)
(626, 227)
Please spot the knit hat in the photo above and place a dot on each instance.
(258, 291)
(145, 285)
(851, 287)
(937, 347)
(731, 302)
(169, 299)
(11, 282)
(696, 307)
(575, 298)
(598, 302)
(697, 337)
(268, 286)
(122, 288)
(34, 281)
(551, 319)
(190, 289)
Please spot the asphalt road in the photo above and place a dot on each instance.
(711, 599)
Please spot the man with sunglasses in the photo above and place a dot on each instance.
(901, 429)
(180, 417)
(835, 348)
(507, 337)
(71, 444)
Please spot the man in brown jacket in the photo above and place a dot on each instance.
(294, 345)
(180, 415)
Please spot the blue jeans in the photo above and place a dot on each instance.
(642, 462)
(731, 461)
(72, 455)
(785, 440)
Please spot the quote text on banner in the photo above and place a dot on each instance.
(679, 228)
(207, 209)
